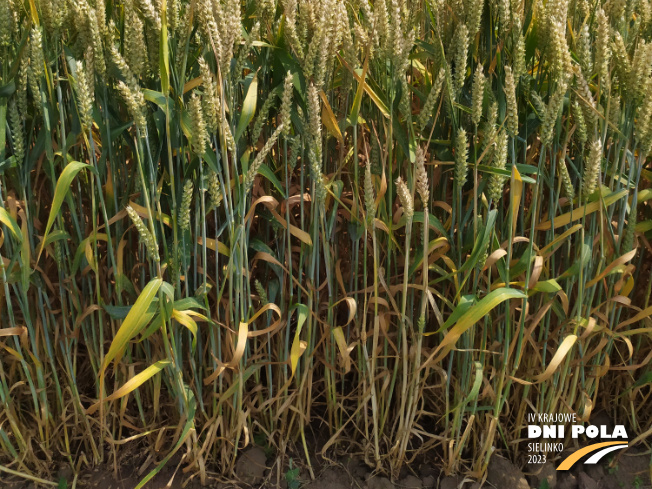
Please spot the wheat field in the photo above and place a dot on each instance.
(405, 224)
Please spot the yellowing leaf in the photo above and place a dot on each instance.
(131, 325)
(350, 302)
(294, 231)
(329, 119)
(132, 384)
(142, 212)
(190, 84)
(645, 194)
(243, 331)
(629, 286)
(515, 191)
(579, 212)
(18, 331)
(34, 12)
(376, 99)
(621, 260)
(7, 220)
(558, 241)
(344, 349)
(88, 251)
(472, 316)
(184, 319)
(559, 356)
(215, 245)
(298, 346)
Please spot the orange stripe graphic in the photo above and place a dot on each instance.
(571, 459)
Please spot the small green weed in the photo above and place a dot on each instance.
(292, 477)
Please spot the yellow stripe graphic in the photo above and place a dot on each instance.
(571, 459)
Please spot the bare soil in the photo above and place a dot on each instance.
(254, 469)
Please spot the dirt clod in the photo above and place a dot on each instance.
(585, 482)
(450, 482)
(546, 472)
(596, 471)
(567, 481)
(378, 482)
(428, 482)
(251, 466)
(409, 482)
(331, 478)
(357, 469)
(503, 473)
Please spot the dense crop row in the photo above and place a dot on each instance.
(213, 226)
